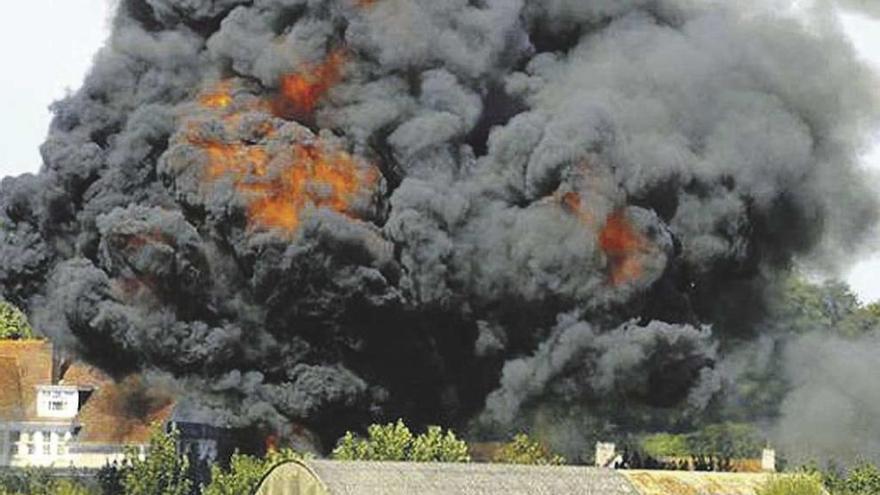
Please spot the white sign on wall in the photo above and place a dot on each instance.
(57, 401)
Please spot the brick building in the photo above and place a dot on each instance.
(56, 412)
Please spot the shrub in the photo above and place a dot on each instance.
(524, 450)
(864, 479)
(395, 442)
(161, 472)
(40, 482)
(666, 445)
(796, 484)
(726, 440)
(245, 472)
(435, 446)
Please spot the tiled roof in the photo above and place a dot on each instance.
(112, 413)
(10, 390)
(117, 412)
(31, 361)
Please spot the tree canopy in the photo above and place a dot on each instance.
(395, 442)
(13, 323)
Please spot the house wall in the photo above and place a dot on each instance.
(58, 402)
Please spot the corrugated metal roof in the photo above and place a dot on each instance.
(409, 478)
(319, 477)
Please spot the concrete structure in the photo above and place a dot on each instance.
(59, 413)
(606, 455)
(395, 478)
(768, 461)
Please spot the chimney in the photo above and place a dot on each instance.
(605, 454)
(768, 460)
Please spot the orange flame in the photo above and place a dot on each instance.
(314, 176)
(622, 243)
(300, 92)
(279, 185)
(572, 202)
(271, 443)
(218, 97)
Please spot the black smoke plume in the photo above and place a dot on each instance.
(494, 214)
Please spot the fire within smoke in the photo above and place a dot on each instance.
(622, 243)
(300, 92)
(279, 182)
(257, 208)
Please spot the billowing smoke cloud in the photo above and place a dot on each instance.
(831, 410)
(332, 212)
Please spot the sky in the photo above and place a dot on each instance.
(50, 45)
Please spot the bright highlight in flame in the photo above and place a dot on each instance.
(279, 185)
(623, 244)
(300, 92)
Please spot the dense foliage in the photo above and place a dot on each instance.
(40, 482)
(524, 450)
(863, 479)
(245, 472)
(395, 442)
(726, 440)
(162, 472)
(13, 323)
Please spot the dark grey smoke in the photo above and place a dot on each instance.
(832, 409)
(556, 201)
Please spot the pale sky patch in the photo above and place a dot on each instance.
(46, 47)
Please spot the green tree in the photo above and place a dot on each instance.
(436, 446)
(864, 479)
(731, 440)
(395, 442)
(666, 445)
(162, 471)
(40, 482)
(524, 450)
(13, 323)
(245, 472)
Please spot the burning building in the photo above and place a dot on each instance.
(500, 214)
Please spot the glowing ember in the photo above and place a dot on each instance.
(573, 203)
(622, 243)
(218, 97)
(238, 159)
(301, 92)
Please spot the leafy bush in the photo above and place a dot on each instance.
(39, 482)
(245, 472)
(864, 479)
(161, 472)
(666, 445)
(436, 446)
(726, 440)
(797, 484)
(524, 450)
(13, 323)
(395, 442)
